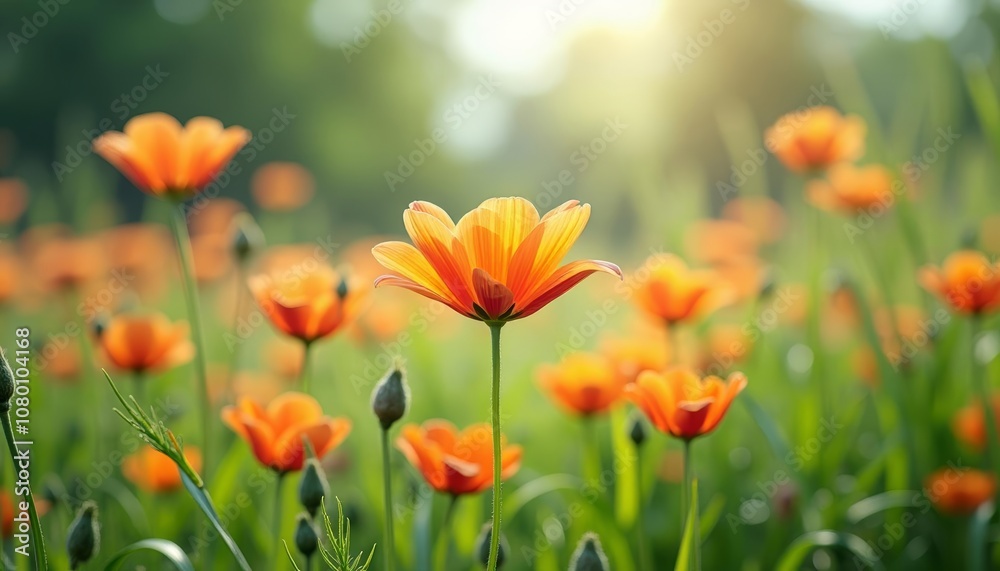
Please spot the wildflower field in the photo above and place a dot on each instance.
(628, 286)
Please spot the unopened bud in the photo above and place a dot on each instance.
(342, 288)
(83, 539)
(483, 547)
(99, 324)
(246, 235)
(588, 555)
(6, 383)
(391, 397)
(313, 486)
(637, 430)
(306, 539)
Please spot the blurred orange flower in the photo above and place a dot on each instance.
(848, 189)
(140, 249)
(764, 216)
(680, 403)
(213, 216)
(307, 305)
(499, 263)
(212, 255)
(674, 293)
(647, 348)
(60, 363)
(969, 423)
(10, 273)
(61, 261)
(719, 241)
(152, 471)
(582, 383)
(816, 138)
(144, 342)
(6, 514)
(967, 282)
(959, 491)
(283, 357)
(163, 158)
(456, 462)
(13, 199)
(275, 433)
(281, 186)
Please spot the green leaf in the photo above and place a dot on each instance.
(168, 549)
(881, 502)
(979, 529)
(205, 503)
(686, 555)
(626, 477)
(797, 552)
(536, 488)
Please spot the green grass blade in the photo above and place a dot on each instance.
(168, 549)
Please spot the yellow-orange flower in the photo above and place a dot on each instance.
(163, 158)
(645, 349)
(682, 404)
(145, 342)
(10, 273)
(6, 514)
(282, 186)
(275, 433)
(967, 282)
(960, 491)
(307, 305)
(153, 471)
(848, 189)
(674, 293)
(582, 383)
(816, 138)
(765, 216)
(499, 263)
(61, 261)
(456, 462)
(969, 423)
(13, 199)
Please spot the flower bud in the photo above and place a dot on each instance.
(588, 555)
(306, 539)
(313, 486)
(6, 383)
(342, 288)
(83, 540)
(391, 397)
(99, 324)
(637, 430)
(247, 236)
(483, 547)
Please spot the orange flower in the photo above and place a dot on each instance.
(456, 462)
(967, 282)
(675, 293)
(163, 158)
(499, 263)
(282, 186)
(582, 383)
(720, 241)
(307, 305)
(146, 342)
(283, 357)
(960, 491)
(10, 273)
(816, 138)
(680, 403)
(212, 257)
(970, 425)
(765, 216)
(646, 349)
(61, 261)
(6, 514)
(140, 249)
(60, 363)
(275, 433)
(848, 189)
(13, 199)
(153, 471)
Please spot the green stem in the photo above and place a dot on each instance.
(688, 477)
(304, 370)
(644, 563)
(194, 316)
(981, 385)
(277, 522)
(591, 453)
(234, 356)
(39, 557)
(497, 452)
(442, 546)
(390, 549)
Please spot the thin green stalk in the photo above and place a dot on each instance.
(688, 477)
(497, 452)
(644, 562)
(304, 370)
(234, 355)
(591, 453)
(981, 385)
(443, 543)
(277, 521)
(39, 557)
(390, 542)
(194, 316)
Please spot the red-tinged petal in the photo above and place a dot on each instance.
(118, 149)
(289, 453)
(493, 296)
(408, 284)
(689, 417)
(562, 281)
(290, 409)
(734, 385)
(261, 439)
(200, 134)
(409, 263)
(225, 148)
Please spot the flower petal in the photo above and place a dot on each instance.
(560, 282)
